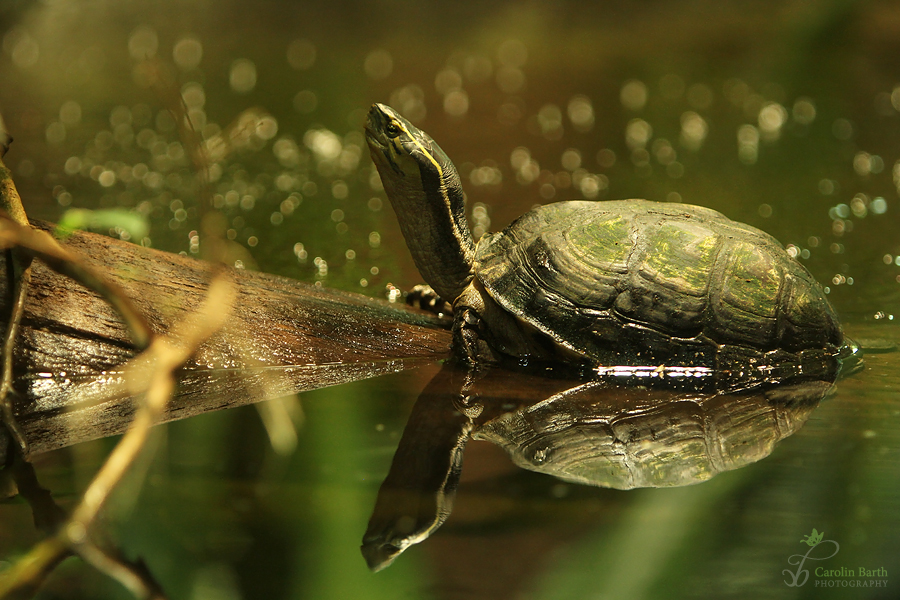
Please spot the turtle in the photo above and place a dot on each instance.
(610, 282)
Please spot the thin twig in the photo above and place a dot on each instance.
(164, 356)
(48, 516)
(19, 267)
(5, 139)
(20, 293)
(133, 575)
(151, 373)
(10, 201)
(25, 576)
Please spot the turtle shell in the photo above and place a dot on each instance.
(639, 282)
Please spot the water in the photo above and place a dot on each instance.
(786, 119)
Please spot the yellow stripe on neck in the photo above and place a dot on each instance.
(426, 153)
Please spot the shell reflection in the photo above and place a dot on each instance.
(600, 432)
(632, 438)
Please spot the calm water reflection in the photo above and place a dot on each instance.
(781, 115)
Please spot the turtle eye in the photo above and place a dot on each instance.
(392, 130)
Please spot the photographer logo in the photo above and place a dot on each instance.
(821, 549)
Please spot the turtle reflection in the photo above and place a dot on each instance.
(598, 432)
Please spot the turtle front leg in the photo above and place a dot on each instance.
(483, 332)
(468, 352)
(469, 345)
(465, 336)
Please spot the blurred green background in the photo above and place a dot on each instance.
(784, 115)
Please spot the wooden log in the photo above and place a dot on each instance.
(284, 337)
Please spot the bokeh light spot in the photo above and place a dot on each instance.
(187, 53)
(512, 53)
(242, 76)
(634, 95)
(301, 54)
(305, 101)
(378, 64)
(143, 43)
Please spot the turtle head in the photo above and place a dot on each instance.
(425, 190)
(404, 154)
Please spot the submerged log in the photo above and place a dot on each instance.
(283, 337)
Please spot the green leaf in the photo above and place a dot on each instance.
(135, 226)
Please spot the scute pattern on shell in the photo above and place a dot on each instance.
(654, 282)
(628, 438)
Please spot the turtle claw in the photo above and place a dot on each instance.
(467, 406)
(423, 296)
